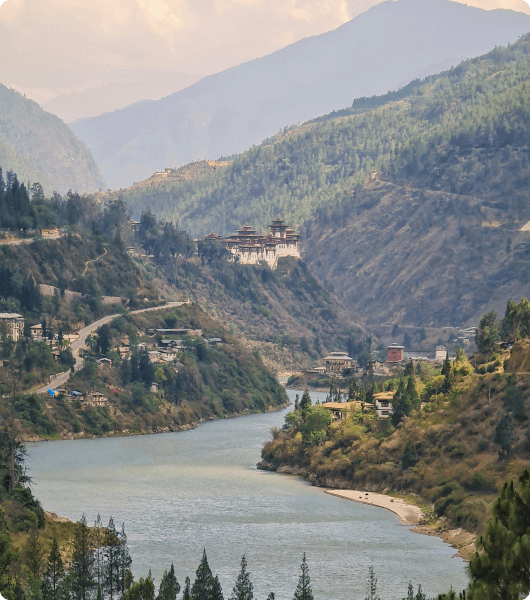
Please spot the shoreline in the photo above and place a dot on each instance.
(414, 517)
(409, 514)
(82, 435)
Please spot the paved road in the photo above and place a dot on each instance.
(84, 333)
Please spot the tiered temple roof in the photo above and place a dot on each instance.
(251, 247)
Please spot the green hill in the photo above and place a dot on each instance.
(412, 202)
(460, 433)
(319, 163)
(39, 147)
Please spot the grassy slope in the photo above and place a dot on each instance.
(458, 468)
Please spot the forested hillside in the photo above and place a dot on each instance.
(39, 147)
(398, 193)
(392, 43)
(321, 162)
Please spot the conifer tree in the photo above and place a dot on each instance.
(243, 589)
(111, 558)
(401, 405)
(53, 575)
(502, 569)
(125, 561)
(98, 550)
(217, 592)
(411, 392)
(148, 587)
(303, 589)
(305, 404)
(205, 586)
(169, 586)
(352, 391)
(186, 594)
(80, 573)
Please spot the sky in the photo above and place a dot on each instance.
(77, 56)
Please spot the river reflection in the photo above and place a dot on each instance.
(180, 492)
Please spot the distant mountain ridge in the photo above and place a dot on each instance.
(39, 147)
(382, 49)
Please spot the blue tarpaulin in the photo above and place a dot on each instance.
(52, 393)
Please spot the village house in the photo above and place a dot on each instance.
(336, 362)
(96, 399)
(124, 352)
(14, 325)
(36, 331)
(383, 404)
(395, 353)
(440, 353)
(312, 374)
(339, 410)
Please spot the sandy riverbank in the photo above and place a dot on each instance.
(408, 514)
(413, 516)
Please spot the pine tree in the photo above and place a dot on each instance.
(352, 391)
(98, 550)
(169, 586)
(502, 568)
(186, 594)
(401, 405)
(243, 589)
(205, 586)
(305, 404)
(217, 592)
(53, 575)
(125, 561)
(303, 589)
(505, 435)
(111, 560)
(410, 592)
(81, 567)
(411, 392)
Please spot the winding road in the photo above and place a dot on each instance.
(84, 333)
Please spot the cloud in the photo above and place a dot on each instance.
(60, 47)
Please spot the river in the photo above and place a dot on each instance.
(180, 492)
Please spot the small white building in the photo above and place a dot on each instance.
(383, 404)
(440, 353)
(15, 325)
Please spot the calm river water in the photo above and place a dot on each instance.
(180, 492)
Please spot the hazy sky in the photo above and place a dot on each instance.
(50, 48)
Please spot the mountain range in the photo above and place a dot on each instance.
(413, 204)
(381, 49)
(39, 147)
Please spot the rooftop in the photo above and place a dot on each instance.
(338, 356)
(10, 316)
